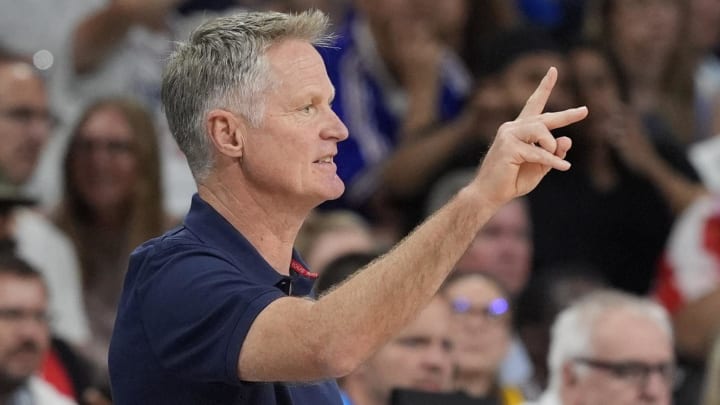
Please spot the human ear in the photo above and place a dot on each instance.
(227, 132)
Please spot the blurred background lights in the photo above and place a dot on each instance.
(43, 59)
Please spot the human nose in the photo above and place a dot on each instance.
(335, 128)
(436, 358)
(656, 388)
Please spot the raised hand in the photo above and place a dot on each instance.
(524, 150)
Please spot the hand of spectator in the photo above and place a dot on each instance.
(626, 134)
(524, 150)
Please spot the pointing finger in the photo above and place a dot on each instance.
(553, 120)
(536, 103)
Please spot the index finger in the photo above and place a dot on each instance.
(536, 103)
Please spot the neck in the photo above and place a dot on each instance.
(268, 226)
(475, 383)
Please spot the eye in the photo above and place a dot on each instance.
(308, 109)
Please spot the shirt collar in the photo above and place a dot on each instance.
(205, 223)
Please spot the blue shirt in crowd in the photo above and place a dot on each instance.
(189, 299)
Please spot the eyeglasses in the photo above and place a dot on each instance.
(17, 315)
(634, 372)
(494, 310)
(27, 115)
(111, 147)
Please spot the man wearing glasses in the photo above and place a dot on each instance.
(611, 348)
(25, 127)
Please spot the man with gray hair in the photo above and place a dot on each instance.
(611, 347)
(216, 311)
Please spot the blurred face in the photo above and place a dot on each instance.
(502, 248)
(595, 80)
(419, 357)
(480, 324)
(104, 169)
(292, 154)
(447, 18)
(25, 121)
(598, 89)
(522, 76)
(705, 23)
(644, 33)
(338, 242)
(24, 335)
(624, 345)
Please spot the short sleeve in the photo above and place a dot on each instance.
(196, 311)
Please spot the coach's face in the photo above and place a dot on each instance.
(292, 153)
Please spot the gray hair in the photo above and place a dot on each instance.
(574, 327)
(223, 65)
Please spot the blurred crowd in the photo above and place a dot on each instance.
(625, 246)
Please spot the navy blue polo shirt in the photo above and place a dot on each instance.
(188, 301)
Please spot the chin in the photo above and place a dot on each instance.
(334, 191)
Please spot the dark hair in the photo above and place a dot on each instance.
(11, 264)
(341, 269)
(492, 56)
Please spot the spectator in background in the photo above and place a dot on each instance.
(688, 285)
(693, 87)
(327, 235)
(642, 40)
(112, 202)
(548, 292)
(611, 348)
(481, 329)
(711, 392)
(503, 250)
(24, 335)
(625, 190)
(419, 357)
(393, 77)
(119, 48)
(505, 65)
(25, 125)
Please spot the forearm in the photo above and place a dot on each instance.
(696, 325)
(339, 331)
(97, 36)
(404, 173)
(422, 108)
(677, 190)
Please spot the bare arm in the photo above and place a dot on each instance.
(300, 340)
(639, 154)
(697, 324)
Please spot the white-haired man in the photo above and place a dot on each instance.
(214, 311)
(611, 348)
